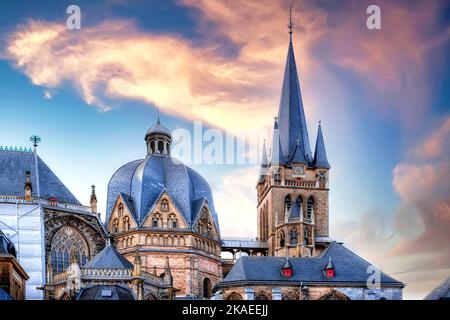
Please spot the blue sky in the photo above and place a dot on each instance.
(382, 97)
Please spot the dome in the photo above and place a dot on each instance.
(158, 128)
(140, 183)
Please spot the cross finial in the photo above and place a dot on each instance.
(291, 24)
(35, 140)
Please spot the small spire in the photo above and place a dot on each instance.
(93, 201)
(320, 154)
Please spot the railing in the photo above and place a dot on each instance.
(107, 272)
(228, 261)
(151, 277)
(45, 202)
(300, 183)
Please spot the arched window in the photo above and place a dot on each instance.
(155, 223)
(207, 287)
(293, 236)
(287, 205)
(282, 238)
(152, 147)
(164, 205)
(115, 226)
(299, 203)
(310, 209)
(306, 237)
(262, 296)
(234, 296)
(160, 147)
(126, 224)
(67, 242)
(120, 210)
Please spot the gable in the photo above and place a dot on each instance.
(165, 214)
(122, 218)
(205, 224)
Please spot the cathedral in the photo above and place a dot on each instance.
(161, 238)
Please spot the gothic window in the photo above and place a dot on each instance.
(262, 296)
(293, 236)
(67, 242)
(310, 209)
(234, 296)
(172, 222)
(164, 205)
(306, 236)
(299, 203)
(287, 204)
(120, 209)
(207, 287)
(282, 240)
(115, 226)
(126, 224)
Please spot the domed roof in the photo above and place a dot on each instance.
(158, 128)
(142, 182)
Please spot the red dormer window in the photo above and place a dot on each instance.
(287, 272)
(330, 273)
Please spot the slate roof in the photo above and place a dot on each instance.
(6, 245)
(291, 115)
(4, 295)
(108, 258)
(143, 181)
(441, 292)
(320, 154)
(349, 268)
(158, 128)
(14, 164)
(106, 292)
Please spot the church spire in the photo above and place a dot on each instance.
(320, 154)
(291, 115)
(276, 157)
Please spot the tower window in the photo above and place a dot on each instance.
(306, 241)
(310, 209)
(160, 147)
(293, 236)
(287, 204)
(282, 240)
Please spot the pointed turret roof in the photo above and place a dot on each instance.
(108, 258)
(264, 163)
(292, 121)
(276, 157)
(320, 154)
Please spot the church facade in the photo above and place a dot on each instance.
(161, 237)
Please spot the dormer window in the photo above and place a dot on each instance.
(287, 271)
(329, 269)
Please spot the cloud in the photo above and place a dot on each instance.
(235, 200)
(411, 242)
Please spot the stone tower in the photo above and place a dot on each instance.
(293, 183)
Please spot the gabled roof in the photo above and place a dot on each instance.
(320, 154)
(13, 167)
(441, 292)
(108, 258)
(106, 292)
(291, 115)
(129, 204)
(349, 268)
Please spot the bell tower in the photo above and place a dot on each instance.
(292, 187)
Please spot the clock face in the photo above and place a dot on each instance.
(299, 171)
